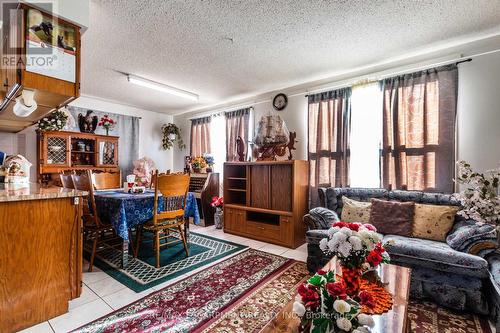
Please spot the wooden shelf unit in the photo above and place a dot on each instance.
(266, 200)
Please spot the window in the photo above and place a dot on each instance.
(366, 135)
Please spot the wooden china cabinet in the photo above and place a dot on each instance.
(60, 151)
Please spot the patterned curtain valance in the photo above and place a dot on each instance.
(202, 120)
(329, 95)
(237, 113)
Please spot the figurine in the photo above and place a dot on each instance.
(240, 149)
(87, 123)
(291, 145)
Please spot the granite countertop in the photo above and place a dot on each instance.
(34, 191)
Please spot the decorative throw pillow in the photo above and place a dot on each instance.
(392, 217)
(355, 211)
(433, 221)
(473, 238)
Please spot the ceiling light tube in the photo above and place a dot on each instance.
(162, 87)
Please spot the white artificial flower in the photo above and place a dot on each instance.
(299, 309)
(366, 320)
(356, 243)
(333, 230)
(344, 324)
(346, 231)
(323, 244)
(339, 237)
(341, 306)
(333, 244)
(345, 249)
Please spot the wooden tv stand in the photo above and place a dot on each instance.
(266, 201)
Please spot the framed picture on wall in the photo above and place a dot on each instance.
(51, 46)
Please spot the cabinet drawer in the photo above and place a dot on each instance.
(264, 230)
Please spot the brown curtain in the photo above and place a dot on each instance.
(419, 112)
(200, 136)
(237, 123)
(329, 125)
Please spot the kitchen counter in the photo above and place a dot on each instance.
(40, 253)
(34, 191)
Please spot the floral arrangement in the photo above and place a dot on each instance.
(198, 162)
(480, 198)
(171, 133)
(358, 247)
(55, 121)
(324, 306)
(209, 159)
(143, 169)
(107, 123)
(217, 202)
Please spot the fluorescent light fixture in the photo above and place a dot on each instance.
(162, 87)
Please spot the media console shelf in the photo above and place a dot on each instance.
(266, 200)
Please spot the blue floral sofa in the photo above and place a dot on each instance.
(448, 277)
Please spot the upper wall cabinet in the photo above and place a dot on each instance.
(40, 55)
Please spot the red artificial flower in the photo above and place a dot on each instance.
(100, 124)
(217, 202)
(374, 258)
(340, 224)
(321, 272)
(370, 227)
(354, 226)
(365, 298)
(336, 289)
(309, 295)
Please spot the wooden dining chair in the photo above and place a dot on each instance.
(66, 180)
(153, 177)
(174, 189)
(107, 180)
(93, 229)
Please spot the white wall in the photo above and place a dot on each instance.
(150, 135)
(479, 112)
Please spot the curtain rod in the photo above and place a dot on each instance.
(220, 112)
(362, 81)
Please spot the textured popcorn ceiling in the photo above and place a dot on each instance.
(226, 49)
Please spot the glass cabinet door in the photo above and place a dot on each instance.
(56, 150)
(107, 152)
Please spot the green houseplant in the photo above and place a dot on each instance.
(55, 121)
(171, 133)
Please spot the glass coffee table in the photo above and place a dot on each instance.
(397, 279)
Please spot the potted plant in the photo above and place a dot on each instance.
(210, 160)
(171, 133)
(198, 163)
(480, 200)
(107, 123)
(218, 204)
(55, 121)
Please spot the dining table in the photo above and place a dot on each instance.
(125, 211)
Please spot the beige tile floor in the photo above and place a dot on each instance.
(102, 294)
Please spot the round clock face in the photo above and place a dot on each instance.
(279, 102)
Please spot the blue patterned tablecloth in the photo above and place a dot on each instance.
(124, 210)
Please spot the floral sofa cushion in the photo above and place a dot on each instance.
(435, 255)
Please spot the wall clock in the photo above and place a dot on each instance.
(279, 102)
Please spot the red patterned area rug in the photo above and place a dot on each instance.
(426, 317)
(188, 304)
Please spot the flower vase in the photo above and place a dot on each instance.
(107, 131)
(352, 279)
(196, 170)
(219, 218)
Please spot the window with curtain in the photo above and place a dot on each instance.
(200, 136)
(328, 148)
(419, 112)
(237, 125)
